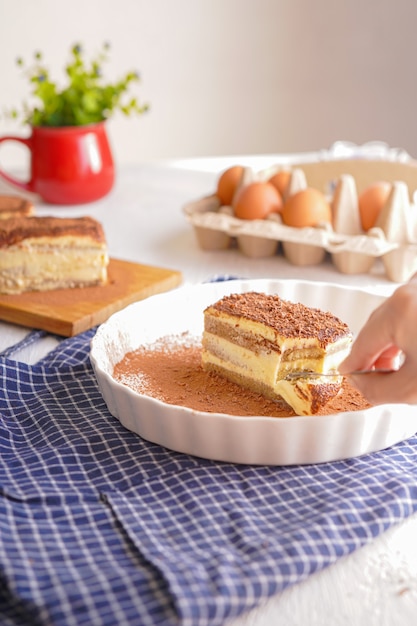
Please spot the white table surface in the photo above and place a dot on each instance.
(144, 222)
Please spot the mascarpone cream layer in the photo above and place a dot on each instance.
(38, 267)
(301, 394)
(276, 335)
(269, 366)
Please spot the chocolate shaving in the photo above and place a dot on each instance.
(288, 318)
(16, 230)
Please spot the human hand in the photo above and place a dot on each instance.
(388, 337)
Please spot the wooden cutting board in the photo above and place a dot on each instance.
(68, 312)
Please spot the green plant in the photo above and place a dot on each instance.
(84, 100)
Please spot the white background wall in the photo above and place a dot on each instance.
(232, 76)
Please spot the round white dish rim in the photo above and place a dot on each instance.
(230, 438)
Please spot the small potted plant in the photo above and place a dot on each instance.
(71, 159)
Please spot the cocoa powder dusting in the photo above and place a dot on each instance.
(16, 229)
(170, 370)
(288, 318)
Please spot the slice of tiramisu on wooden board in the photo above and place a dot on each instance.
(67, 312)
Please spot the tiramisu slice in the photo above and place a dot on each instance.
(43, 253)
(256, 340)
(14, 206)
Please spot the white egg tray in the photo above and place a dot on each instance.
(353, 251)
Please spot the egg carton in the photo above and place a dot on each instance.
(353, 251)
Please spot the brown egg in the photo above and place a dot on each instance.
(307, 207)
(281, 180)
(371, 202)
(228, 183)
(256, 201)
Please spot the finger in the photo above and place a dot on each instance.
(368, 347)
(390, 359)
(396, 387)
(374, 339)
(360, 360)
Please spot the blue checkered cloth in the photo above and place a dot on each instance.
(100, 527)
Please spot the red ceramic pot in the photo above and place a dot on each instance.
(68, 164)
